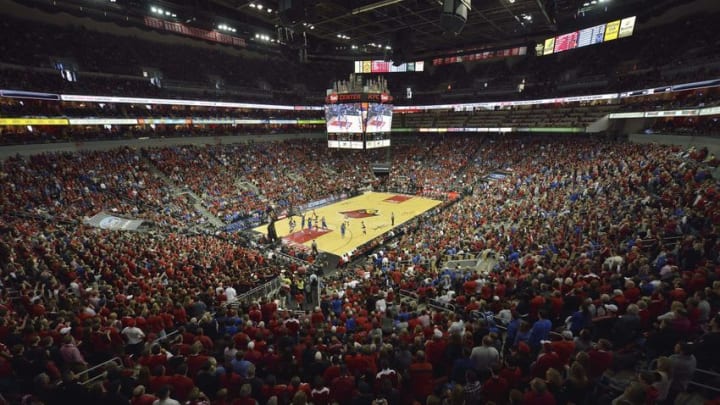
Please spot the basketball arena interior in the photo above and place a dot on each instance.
(361, 202)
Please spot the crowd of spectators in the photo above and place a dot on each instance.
(69, 187)
(697, 126)
(613, 245)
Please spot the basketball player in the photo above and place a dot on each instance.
(364, 228)
(291, 224)
(324, 224)
(342, 230)
(302, 221)
(392, 219)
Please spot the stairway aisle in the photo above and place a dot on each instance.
(177, 192)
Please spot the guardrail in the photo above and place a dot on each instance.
(98, 376)
(263, 290)
(409, 294)
(442, 306)
(702, 385)
(292, 259)
(475, 314)
(669, 240)
(167, 336)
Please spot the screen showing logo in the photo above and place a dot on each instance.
(362, 213)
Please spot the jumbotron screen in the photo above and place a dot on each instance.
(344, 118)
(379, 118)
(364, 125)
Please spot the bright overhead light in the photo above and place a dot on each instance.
(269, 10)
(153, 9)
(174, 15)
(312, 27)
(353, 46)
(252, 5)
(168, 13)
(388, 47)
(259, 6)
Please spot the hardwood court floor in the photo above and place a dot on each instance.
(375, 209)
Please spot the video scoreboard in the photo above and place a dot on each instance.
(383, 66)
(587, 36)
(358, 120)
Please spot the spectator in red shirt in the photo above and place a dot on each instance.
(421, 377)
(435, 350)
(565, 347)
(196, 359)
(343, 387)
(181, 383)
(546, 360)
(140, 397)
(495, 389)
(600, 359)
(538, 394)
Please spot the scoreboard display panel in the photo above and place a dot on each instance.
(591, 36)
(549, 46)
(612, 30)
(566, 42)
(587, 36)
(358, 120)
(379, 118)
(382, 66)
(344, 118)
(627, 26)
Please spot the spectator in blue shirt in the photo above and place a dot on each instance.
(540, 330)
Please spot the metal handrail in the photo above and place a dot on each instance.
(290, 258)
(173, 333)
(702, 385)
(410, 294)
(261, 290)
(116, 360)
(433, 303)
(270, 285)
(705, 386)
(708, 372)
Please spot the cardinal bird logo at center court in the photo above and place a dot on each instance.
(362, 213)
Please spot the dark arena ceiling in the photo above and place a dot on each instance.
(350, 27)
(382, 29)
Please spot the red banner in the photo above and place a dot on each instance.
(501, 53)
(182, 29)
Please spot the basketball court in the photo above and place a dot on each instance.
(375, 210)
